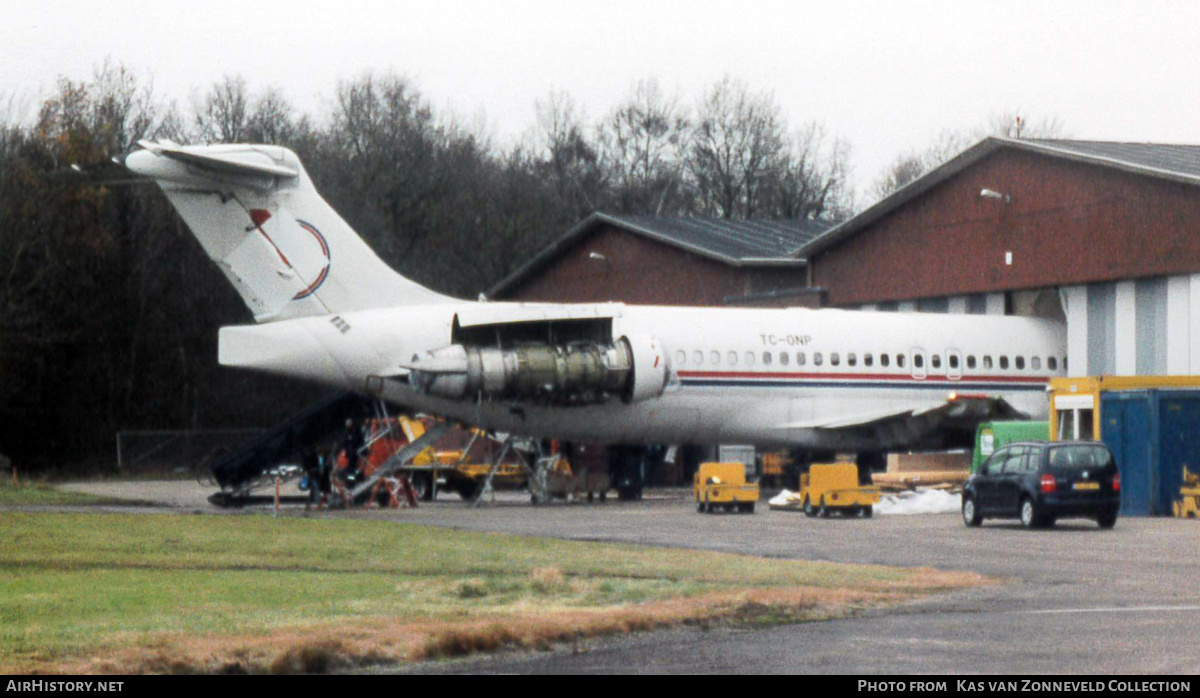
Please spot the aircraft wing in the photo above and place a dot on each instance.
(954, 410)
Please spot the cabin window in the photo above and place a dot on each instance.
(784, 357)
(851, 359)
(1051, 363)
(899, 360)
(732, 356)
(953, 361)
(918, 361)
(868, 360)
(766, 358)
(1020, 361)
(681, 357)
(835, 359)
(884, 360)
(817, 358)
(801, 358)
(1003, 363)
(987, 362)
(714, 357)
(749, 358)
(935, 361)
(971, 361)
(698, 357)
(1035, 363)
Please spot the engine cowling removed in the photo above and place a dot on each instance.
(577, 373)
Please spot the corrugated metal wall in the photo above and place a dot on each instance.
(1101, 330)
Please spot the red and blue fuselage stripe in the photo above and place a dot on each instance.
(857, 380)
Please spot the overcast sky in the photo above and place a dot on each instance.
(884, 76)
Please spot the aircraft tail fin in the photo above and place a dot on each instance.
(258, 216)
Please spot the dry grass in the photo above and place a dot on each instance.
(374, 641)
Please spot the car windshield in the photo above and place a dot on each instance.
(1077, 457)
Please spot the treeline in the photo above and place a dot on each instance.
(109, 309)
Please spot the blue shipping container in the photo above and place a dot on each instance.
(1153, 434)
(1125, 429)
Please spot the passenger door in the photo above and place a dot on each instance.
(1008, 494)
(985, 486)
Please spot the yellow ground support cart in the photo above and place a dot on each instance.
(724, 486)
(1188, 504)
(829, 487)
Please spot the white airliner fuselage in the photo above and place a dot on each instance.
(329, 310)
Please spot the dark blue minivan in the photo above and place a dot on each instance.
(1039, 482)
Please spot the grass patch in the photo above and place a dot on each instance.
(45, 494)
(170, 593)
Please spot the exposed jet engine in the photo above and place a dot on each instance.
(576, 373)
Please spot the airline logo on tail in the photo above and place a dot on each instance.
(259, 216)
(324, 270)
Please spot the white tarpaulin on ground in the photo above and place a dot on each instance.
(920, 501)
(786, 498)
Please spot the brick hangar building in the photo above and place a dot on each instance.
(1105, 236)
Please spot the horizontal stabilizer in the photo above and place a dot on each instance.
(246, 161)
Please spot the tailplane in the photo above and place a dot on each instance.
(259, 217)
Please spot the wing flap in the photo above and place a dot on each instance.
(953, 408)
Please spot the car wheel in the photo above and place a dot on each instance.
(823, 511)
(970, 512)
(1107, 520)
(699, 506)
(750, 508)
(808, 508)
(1029, 514)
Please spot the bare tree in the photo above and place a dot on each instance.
(641, 144)
(271, 119)
(812, 179)
(222, 114)
(736, 143)
(572, 161)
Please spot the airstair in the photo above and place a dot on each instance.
(258, 464)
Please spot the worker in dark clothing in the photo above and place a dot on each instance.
(352, 442)
(312, 475)
(326, 470)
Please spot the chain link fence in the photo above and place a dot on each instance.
(177, 453)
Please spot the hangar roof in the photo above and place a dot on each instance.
(1180, 163)
(737, 243)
